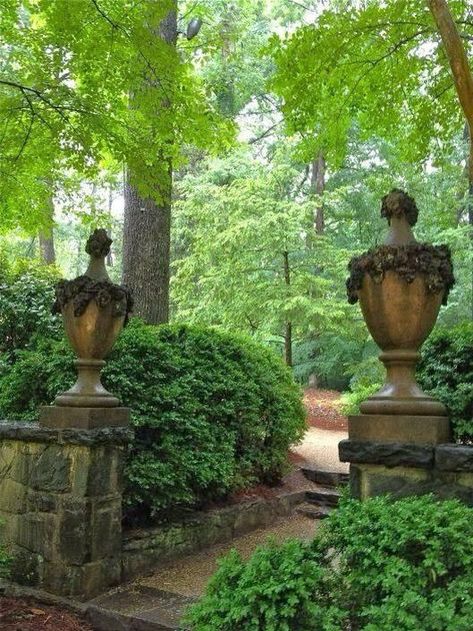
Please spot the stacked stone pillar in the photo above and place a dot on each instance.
(61, 506)
(61, 479)
(400, 286)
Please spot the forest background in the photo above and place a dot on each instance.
(237, 152)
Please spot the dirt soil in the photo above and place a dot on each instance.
(323, 409)
(26, 615)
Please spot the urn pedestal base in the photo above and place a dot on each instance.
(387, 428)
(61, 417)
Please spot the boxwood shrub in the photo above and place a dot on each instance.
(446, 372)
(374, 566)
(213, 412)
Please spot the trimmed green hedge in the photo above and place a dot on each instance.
(374, 566)
(446, 372)
(213, 412)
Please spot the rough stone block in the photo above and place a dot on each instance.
(74, 535)
(12, 496)
(387, 454)
(102, 465)
(106, 538)
(42, 502)
(36, 533)
(52, 471)
(60, 502)
(454, 458)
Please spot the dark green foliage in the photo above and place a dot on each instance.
(213, 412)
(26, 296)
(5, 561)
(446, 372)
(374, 566)
(326, 356)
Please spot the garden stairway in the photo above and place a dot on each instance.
(321, 501)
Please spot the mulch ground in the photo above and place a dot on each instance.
(323, 409)
(18, 614)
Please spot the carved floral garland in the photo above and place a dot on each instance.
(434, 262)
(83, 289)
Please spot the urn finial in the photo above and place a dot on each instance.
(97, 247)
(400, 209)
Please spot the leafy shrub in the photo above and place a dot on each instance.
(446, 372)
(213, 412)
(26, 296)
(374, 566)
(367, 377)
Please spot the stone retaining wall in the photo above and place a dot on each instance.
(409, 469)
(148, 548)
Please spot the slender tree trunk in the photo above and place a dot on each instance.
(147, 227)
(288, 324)
(317, 187)
(463, 79)
(110, 201)
(47, 251)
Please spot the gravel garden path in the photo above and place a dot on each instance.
(326, 428)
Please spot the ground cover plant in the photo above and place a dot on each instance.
(377, 565)
(212, 412)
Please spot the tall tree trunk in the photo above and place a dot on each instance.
(47, 251)
(288, 323)
(109, 259)
(317, 187)
(147, 226)
(463, 79)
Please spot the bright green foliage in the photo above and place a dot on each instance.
(235, 224)
(66, 76)
(376, 565)
(213, 412)
(446, 372)
(233, 35)
(26, 296)
(375, 66)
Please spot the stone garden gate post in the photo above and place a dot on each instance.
(61, 478)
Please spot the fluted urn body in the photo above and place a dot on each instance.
(94, 311)
(401, 286)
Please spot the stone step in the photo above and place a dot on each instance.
(313, 512)
(137, 608)
(326, 478)
(323, 496)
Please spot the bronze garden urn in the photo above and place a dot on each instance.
(94, 311)
(400, 286)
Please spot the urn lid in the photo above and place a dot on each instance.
(98, 247)
(401, 211)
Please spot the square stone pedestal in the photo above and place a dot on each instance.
(386, 428)
(61, 506)
(83, 418)
(396, 454)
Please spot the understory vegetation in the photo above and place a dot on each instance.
(377, 565)
(212, 412)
